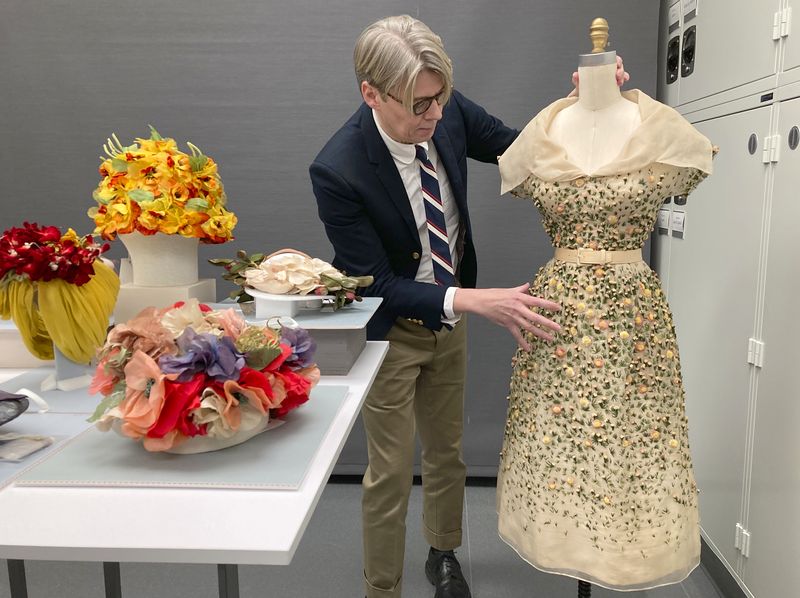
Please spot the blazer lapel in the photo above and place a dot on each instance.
(386, 170)
(448, 157)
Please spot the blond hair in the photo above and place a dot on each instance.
(392, 52)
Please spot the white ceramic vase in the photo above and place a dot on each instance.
(161, 260)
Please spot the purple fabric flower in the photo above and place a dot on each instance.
(217, 357)
(303, 347)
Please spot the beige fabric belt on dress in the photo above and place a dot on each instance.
(599, 256)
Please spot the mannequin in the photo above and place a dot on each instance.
(594, 129)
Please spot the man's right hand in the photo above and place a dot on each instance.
(510, 308)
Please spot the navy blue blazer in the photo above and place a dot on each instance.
(367, 214)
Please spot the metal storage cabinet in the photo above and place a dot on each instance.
(773, 510)
(791, 40)
(660, 252)
(734, 45)
(713, 293)
(669, 52)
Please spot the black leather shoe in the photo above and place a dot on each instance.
(444, 572)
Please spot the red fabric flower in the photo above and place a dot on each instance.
(49, 234)
(297, 389)
(179, 399)
(39, 253)
(253, 378)
(203, 307)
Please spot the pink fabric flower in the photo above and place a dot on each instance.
(144, 397)
(231, 323)
(143, 333)
(103, 380)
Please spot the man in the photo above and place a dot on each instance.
(391, 191)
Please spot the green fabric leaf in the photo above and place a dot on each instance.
(363, 281)
(198, 204)
(98, 199)
(139, 195)
(119, 165)
(108, 403)
(197, 162)
(154, 135)
(261, 357)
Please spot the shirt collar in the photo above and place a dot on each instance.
(404, 153)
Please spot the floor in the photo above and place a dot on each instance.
(328, 564)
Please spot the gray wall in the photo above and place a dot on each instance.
(259, 86)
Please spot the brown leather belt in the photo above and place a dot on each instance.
(598, 256)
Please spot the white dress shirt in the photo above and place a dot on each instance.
(405, 159)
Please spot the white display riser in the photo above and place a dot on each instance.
(13, 353)
(133, 299)
(340, 336)
(338, 350)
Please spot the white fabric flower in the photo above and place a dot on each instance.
(212, 412)
(289, 274)
(178, 319)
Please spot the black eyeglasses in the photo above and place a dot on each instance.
(421, 106)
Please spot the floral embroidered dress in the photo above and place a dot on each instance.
(596, 479)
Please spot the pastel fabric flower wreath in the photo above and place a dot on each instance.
(163, 382)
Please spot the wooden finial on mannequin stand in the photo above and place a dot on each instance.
(598, 32)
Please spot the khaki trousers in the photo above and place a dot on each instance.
(420, 386)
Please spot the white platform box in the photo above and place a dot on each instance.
(340, 335)
(13, 353)
(132, 299)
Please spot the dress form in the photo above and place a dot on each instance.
(590, 466)
(595, 129)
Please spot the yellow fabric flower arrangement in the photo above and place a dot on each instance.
(153, 187)
(56, 290)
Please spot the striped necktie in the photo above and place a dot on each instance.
(437, 228)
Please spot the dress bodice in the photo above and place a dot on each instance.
(613, 212)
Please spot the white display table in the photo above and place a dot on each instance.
(119, 524)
